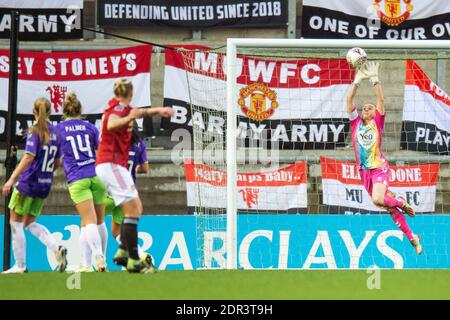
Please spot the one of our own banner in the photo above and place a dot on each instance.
(426, 113)
(90, 74)
(43, 20)
(192, 14)
(376, 19)
(287, 104)
(343, 191)
(277, 191)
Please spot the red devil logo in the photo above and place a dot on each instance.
(57, 95)
(250, 196)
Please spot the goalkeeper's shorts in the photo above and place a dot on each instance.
(371, 176)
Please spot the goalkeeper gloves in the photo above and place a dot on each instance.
(372, 71)
(361, 74)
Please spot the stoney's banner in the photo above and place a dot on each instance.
(376, 19)
(283, 103)
(90, 74)
(278, 191)
(343, 191)
(192, 14)
(426, 113)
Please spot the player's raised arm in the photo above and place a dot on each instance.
(372, 70)
(359, 76)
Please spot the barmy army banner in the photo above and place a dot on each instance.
(43, 20)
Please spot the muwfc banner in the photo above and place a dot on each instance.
(376, 19)
(90, 74)
(426, 113)
(343, 191)
(277, 191)
(43, 20)
(286, 103)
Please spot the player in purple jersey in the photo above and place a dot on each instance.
(137, 163)
(34, 174)
(78, 140)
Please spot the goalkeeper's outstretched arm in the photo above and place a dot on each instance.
(380, 98)
(350, 97)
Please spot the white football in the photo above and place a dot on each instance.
(356, 57)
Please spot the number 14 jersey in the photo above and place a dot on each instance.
(78, 140)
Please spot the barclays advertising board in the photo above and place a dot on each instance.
(266, 241)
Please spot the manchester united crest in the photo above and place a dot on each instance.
(394, 12)
(257, 101)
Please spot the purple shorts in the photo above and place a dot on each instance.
(371, 176)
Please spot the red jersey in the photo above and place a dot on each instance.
(114, 145)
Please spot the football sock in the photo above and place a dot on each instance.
(42, 233)
(86, 252)
(391, 202)
(103, 236)
(400, 221)
(93, 239)
(129, 232)
(122, 240)
(18, 243)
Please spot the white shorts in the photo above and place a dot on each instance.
(118, 181)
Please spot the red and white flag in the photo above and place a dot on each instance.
(426, 113)
(277, 191)
(90, 74)
(299, 103)
(343, 191)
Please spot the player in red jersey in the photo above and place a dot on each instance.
(112, 163)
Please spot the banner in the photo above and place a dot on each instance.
(43, 20)
(376, 19)
(278, 191)
(273, 241)
(90, 74)
(343, 191)
(426, 113)
(288, 104)
(192, 14)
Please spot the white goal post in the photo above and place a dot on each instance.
(231, 93)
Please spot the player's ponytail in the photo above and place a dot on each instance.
(135, 137)
(71, 106)
(123, 88)
(41, 112)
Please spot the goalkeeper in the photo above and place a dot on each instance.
(367, 135)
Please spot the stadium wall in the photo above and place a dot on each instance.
(268, 242)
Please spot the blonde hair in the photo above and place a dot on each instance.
(41, 111)
(71, 106)
(122, 88)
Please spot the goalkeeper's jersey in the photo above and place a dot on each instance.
(367, 140)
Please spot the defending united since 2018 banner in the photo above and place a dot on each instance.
(278, 191)
(343, 191)
(426, 113)
(43, 20)
(90, 74)
(376, 19)
(192, 14)
(284, 103)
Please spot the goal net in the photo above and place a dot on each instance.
(273, 181)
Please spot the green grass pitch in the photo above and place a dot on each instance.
(224, 284)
